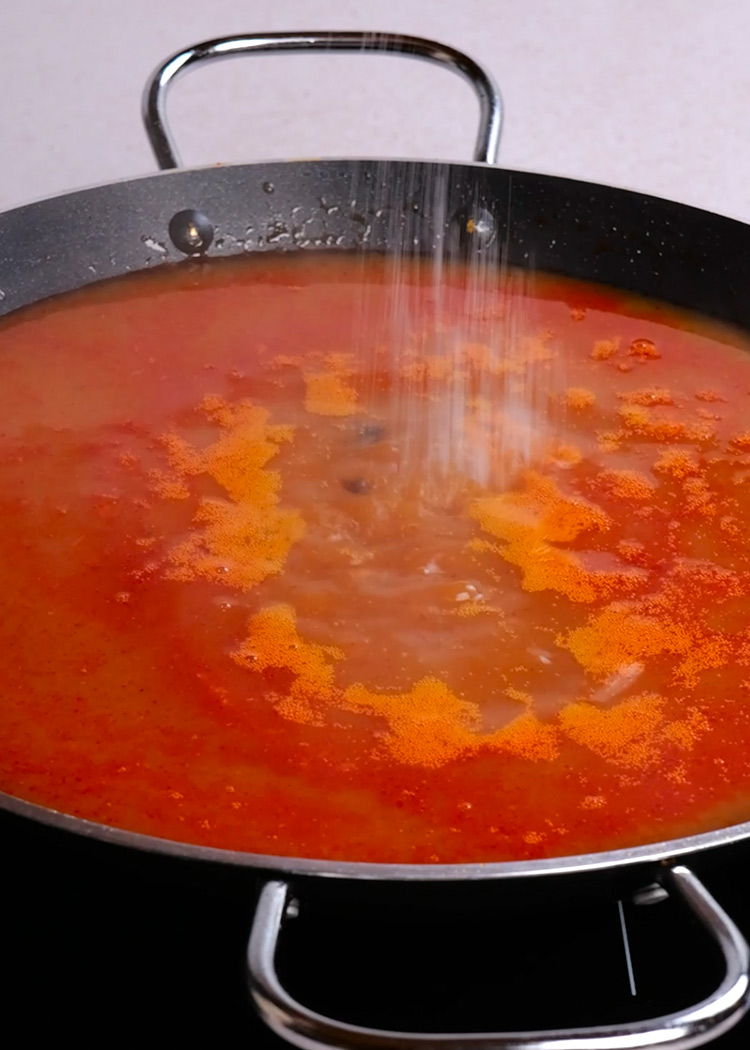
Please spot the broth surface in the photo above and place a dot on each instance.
(246, 604)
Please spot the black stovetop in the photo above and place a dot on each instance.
(92, 949)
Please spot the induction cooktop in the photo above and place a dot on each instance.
(96, 949)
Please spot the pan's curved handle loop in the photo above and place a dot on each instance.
(680, 1031)
(155, 94)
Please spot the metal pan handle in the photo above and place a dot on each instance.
(155, 94)
(680, 1031)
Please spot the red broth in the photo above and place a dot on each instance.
(236, 613)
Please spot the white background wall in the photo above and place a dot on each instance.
(648, 94)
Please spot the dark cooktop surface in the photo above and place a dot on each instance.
(91, 948)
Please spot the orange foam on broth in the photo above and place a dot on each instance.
(232, 615)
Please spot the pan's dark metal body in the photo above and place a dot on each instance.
(669, 251)
(641, 244)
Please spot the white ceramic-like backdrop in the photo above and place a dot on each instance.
(648, 94)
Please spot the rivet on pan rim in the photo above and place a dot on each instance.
(472, 229)
(652, 894)
(191, 232)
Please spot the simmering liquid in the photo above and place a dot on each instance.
(241, 608)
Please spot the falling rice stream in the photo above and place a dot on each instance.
(471, 403)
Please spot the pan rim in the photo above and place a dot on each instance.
(487, 871)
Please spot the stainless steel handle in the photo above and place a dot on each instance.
(155, 94)
(680, 1031)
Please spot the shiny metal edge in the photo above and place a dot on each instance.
(257, 166)
(652, 853)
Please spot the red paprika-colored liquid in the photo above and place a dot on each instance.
(250, 601)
